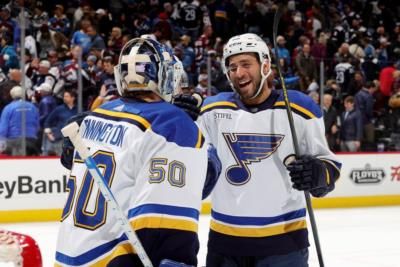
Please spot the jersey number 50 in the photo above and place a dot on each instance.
(91, 207)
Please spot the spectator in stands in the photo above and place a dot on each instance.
(91, 68)
(11, 124)
(96, 41)
(70, 68)
(44, 40)
(43, 75)
(186, 54)
(306, 68)
(364, 102)
(202, 86)
(343, 54)
(357, 82)
(319, 49)
(59, 22)
(387, 77)
(343, 72)
(104, 96)
(40, 17)
(224, 18)
(114, 42)
(14, 79)
(81, 37)
(394, 120)
(314, 95)
(104, 23)
(190, 18)
(56, 121)
(369, 49)
(8, 55)
(47, 102)
(252, 17)
(203, 44)
(282, 50)
(330, 121)
(383, 52)
(7, 23)
(351, 129)
(370, 68)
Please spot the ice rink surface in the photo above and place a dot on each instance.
(362, 237)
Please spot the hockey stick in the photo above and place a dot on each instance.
(72, 131)
(313, 223)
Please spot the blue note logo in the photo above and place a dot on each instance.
(247, 149)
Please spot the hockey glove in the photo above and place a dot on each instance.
(189, 103)
(213, 171)
(309, 173)
(67, 155)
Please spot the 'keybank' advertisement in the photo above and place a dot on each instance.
(35, 189)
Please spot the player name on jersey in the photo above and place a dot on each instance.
(106, 132)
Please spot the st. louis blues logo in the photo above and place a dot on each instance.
(246, 149)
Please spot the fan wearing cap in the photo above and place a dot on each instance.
(202, 86)
(43, 75)
(11, 124)
(46, 101)
(258, 215)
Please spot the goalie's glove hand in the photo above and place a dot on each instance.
(308, 173)
(189, 103)
(67, 155)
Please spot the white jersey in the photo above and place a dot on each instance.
(255, 210)
(153, 158)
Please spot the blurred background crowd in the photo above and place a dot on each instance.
(344, 54)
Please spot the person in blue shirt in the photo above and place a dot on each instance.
(11, 127)
(56, 121)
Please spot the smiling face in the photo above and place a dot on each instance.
(244, 71)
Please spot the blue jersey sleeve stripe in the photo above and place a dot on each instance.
(258, 221)
(91, 254)
(163, 209)
(122, 116)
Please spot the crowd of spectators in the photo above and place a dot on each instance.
(356, 43)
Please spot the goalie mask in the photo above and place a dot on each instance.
(247, 43)
(146, 65)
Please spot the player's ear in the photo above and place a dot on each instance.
(266, 67)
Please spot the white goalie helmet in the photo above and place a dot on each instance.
(247, 43)
(146, 65)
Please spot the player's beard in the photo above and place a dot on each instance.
(246, 93)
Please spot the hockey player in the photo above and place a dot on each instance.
(258, 215)
(153, 157)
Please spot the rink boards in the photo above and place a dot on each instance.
(34, 189)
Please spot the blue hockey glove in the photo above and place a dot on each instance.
(189, 103)
(213, 171)
(308, 173)
(67, 155)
